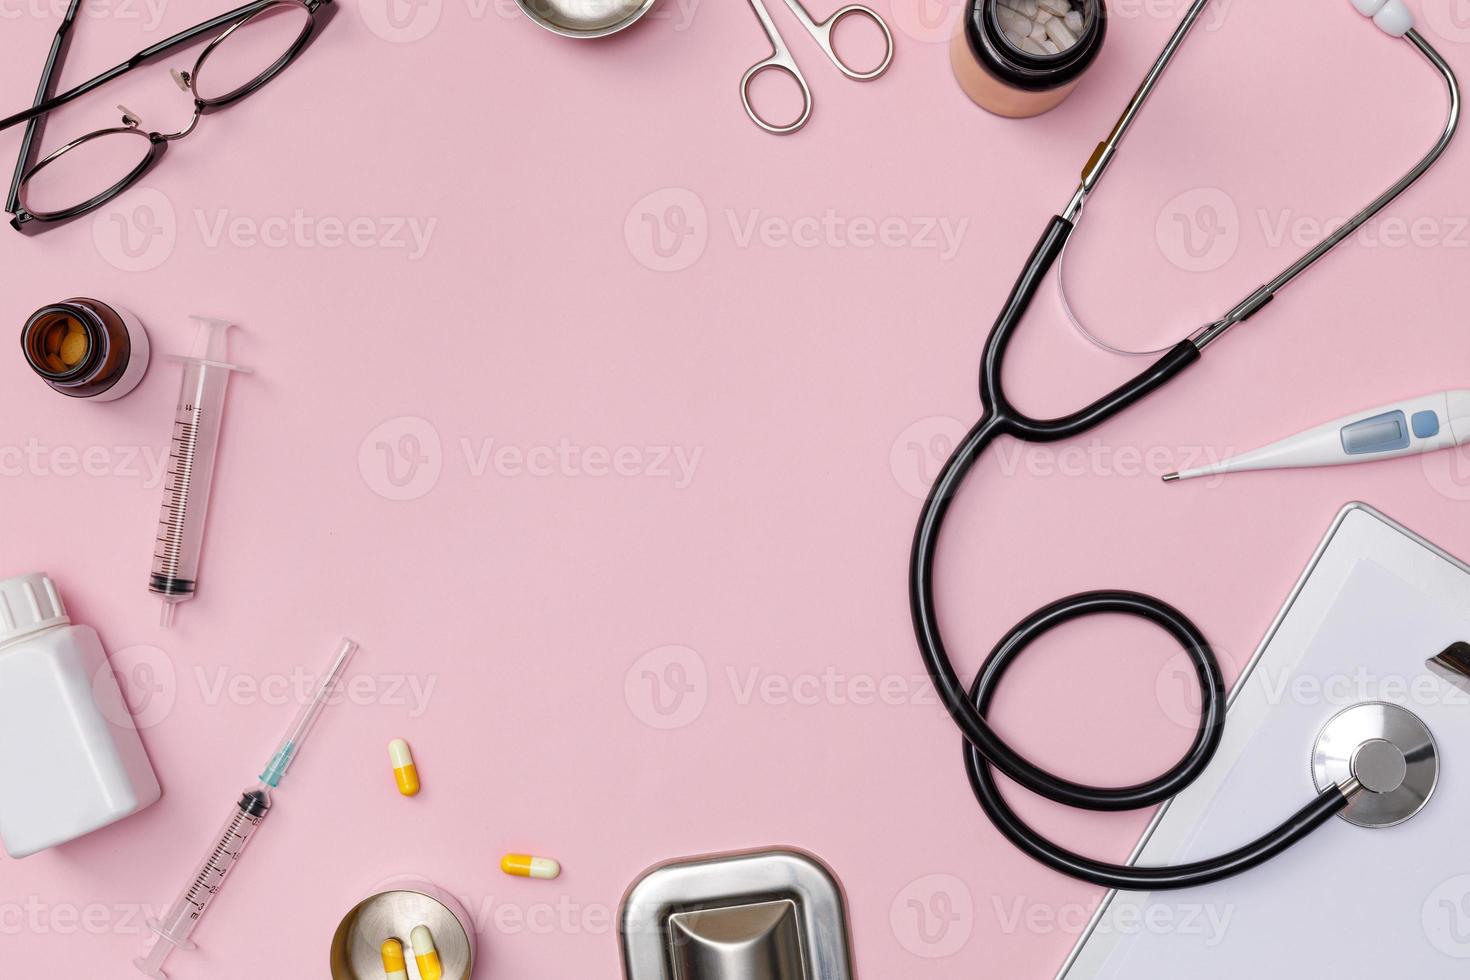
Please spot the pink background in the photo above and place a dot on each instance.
(815, 381)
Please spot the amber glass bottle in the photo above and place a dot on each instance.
(1021, 78)
(85, 348)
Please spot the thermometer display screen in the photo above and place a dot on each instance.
(1380, 434)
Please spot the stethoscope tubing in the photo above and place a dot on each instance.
(985, 751)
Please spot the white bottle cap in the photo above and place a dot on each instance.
(29, 603)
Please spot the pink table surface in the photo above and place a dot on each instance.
(540, 460)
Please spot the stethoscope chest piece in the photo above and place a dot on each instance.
(1389, 751)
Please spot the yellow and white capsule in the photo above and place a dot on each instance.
(394, 966)
(424, 953)
(529, 866)
(405, 773)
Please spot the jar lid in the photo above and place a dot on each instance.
(29, 603)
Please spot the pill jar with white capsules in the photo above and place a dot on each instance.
(85, 348)
(72, 760)
(1020, 58)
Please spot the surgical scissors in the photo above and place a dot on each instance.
(782, 61)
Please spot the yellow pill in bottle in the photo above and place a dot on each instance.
(405, 773)
(424, 953)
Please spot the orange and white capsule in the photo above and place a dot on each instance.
(394, 966)
(530, 866)
(405, 773)
(424, 953)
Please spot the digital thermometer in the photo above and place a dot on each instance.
(1419, 425)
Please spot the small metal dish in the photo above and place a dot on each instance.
(753, 915)
(392, 912)
(585, 18)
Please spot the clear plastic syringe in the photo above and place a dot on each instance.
(192, 447)
(245, 818)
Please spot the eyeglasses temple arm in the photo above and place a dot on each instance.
(54, 58)
(147, 54)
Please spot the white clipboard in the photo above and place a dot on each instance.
(1375, 602)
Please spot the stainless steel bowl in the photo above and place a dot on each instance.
(774, 914)
(392, 913)
(585, 18)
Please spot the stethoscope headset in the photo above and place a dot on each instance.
(984, 751)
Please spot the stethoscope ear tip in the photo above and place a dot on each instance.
(1393, 17)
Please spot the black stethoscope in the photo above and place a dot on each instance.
(985, 751)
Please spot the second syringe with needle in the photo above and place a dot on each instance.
(247, 814)
(192, 449)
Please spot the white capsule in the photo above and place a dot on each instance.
(1058, 7)
(1058, 32)
(424, 953)
(1074, 21)
(1012, 22)
(405, 773)
(1026, 8)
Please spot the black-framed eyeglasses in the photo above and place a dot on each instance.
(252, 45)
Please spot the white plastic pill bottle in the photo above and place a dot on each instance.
(72, 759)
